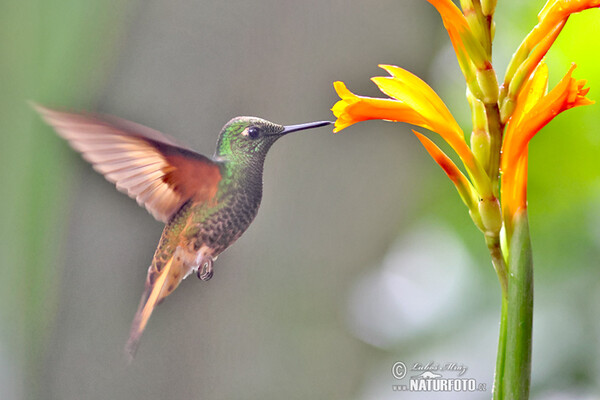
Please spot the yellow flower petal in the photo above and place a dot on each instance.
(352, 109)
(415, 103)
(404, 83)
(537, 87)
(414, 92)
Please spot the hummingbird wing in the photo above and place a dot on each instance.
(142, 162)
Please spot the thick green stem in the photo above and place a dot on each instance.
(519, 323)
(493, 244)
(498, 393)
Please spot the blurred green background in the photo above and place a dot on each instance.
(362, 253)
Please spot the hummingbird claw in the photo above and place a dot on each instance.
(205, 271)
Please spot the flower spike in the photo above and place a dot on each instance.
(493, 182)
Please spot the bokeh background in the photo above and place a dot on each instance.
(362, 253)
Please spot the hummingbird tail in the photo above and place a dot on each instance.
(159, 284)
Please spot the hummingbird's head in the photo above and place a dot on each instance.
(246, 138)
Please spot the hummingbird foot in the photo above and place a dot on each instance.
(205, 270)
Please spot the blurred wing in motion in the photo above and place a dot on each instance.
(142, 162)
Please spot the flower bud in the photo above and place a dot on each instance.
(507, 109)
(476, 219)
(489, 85)
(491, 216)
(480, 146)
(488, 7)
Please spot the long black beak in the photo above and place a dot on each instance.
(293, 128)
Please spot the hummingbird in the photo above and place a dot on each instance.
(205, 203)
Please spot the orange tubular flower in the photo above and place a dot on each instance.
(352, 109)
(533, 111)
(414, 102)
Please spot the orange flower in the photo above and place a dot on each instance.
(352, 109)
(532, 112)
(414, 102)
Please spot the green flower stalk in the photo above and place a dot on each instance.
(505, 118)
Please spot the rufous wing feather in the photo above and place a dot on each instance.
(142, 162)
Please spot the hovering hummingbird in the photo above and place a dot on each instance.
(205, 203)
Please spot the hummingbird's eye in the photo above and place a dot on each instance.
(253, 132)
